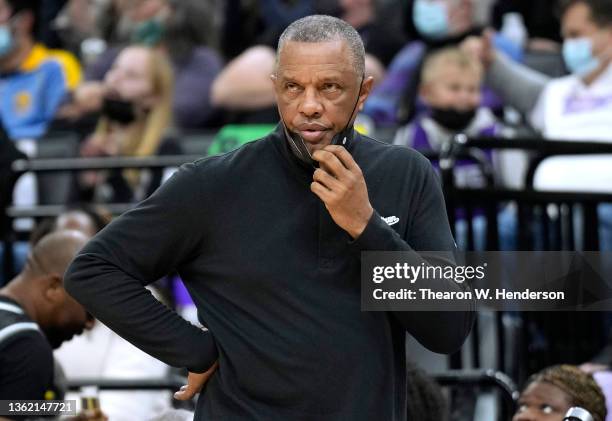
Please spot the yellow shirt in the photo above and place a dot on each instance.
(68, 62)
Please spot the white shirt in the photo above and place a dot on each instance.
(570, 110)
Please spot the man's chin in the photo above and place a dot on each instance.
(316, 143)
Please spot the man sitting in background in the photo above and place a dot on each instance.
(36, 316)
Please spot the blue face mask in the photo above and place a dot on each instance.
(431, 18)
(6, 40)
(578, 56)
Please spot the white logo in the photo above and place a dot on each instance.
(390, 220)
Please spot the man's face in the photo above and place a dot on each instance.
(577, 23)
(453, 87)
(69, 318)
(542, 402)
(317, 87)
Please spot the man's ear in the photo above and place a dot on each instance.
(366, 88)
(53, 288)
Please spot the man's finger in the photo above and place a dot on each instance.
(321, 191)
(331, 162)
(322, 177)
(343, 155)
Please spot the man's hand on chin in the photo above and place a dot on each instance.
(339, 183)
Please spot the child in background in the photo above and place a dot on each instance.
(451, 88)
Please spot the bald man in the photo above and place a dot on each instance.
(36, 316)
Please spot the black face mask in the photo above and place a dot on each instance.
(453, 119)
(118, 110)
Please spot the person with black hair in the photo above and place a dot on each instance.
(550, 393)
(268, 240)
(35, 80)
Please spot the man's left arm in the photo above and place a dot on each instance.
(340, 184)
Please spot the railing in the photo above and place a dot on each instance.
(72, 165)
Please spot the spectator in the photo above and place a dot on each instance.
(450, 88)
(378, 25)
(175, 28)
(136, 117)
(550, 393)
(35, 80)
(34, 302)
(573, 107)
(436, 24)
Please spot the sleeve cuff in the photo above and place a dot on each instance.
(377, 236)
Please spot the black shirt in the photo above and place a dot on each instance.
(26, 357)
(275, 280)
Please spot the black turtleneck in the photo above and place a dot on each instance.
(275, 280)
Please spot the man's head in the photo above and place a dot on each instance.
(40, 289)
(17, 24)
(439, 19)
(586, 26)
(319, 78)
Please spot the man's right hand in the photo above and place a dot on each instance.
(195, 382)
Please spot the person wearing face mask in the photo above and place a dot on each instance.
(184, 31)
(450, 88)
(268, 240)
(136, 119)
(34, 80)
(432, 25)
(574, 107)
(550, 393)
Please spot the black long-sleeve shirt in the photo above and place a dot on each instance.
(276, 281)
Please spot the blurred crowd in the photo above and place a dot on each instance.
(136, 77)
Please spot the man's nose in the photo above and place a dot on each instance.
(310, 106)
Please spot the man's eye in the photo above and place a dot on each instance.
(331, 87)
(522, 408)
(292, 87)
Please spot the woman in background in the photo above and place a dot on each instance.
(135, 121)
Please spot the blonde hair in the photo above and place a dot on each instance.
(450, 56)
(144, 136)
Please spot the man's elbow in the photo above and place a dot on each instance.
(442, 332)
(75, 276)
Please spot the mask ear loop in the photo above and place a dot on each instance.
(299, 146)
(342, 134)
